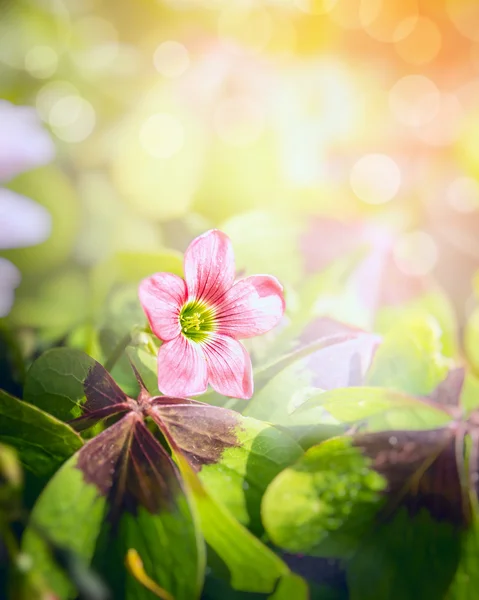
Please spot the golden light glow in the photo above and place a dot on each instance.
(162, 135)
(171, 59)
(415, 253)
(414, 100)
(422, 45)
(375, 178)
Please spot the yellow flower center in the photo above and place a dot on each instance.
(197, 321)
(191, 322)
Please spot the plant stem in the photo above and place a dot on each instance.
(117, 352)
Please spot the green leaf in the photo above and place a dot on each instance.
(471, 340)
(121, 491)
(236, 457)
(55, 380)
(42, 442)
(408, 557)
(11, 481)
(291, 586)
(325, 502)
(251, 565)
(375, 408)
(58, 302)
(330, 362)
(410, 358)
(333, 293)
(435, 305)
(469, 399)
(466, 579)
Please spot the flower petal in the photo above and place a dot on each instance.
(24, 143)
(23, 222)
(229, 366)
(162, 295)
(209, 266)
(9, 280)
(181, 368)
(251, 307)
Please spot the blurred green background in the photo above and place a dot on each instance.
(311, 131)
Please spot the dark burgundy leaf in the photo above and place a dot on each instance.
(201, 431)
(130, 468)
(104, 398)
(424, 469)
(101, 390)
(92, 418)
(474, 457)
(448, 392)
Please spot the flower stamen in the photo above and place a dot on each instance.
(197, 321)
(191, 322)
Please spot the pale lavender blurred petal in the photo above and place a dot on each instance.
(9, 280)
(24, 143)
(23, 222)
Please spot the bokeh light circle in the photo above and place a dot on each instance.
(375, 178)
(238, 121)
(41, 61)
(422, 45)
(315, 7)
(72, 118)
(97, 41)
(465, 16)
(50, 93)
(250, 27)
(462, 194)
(415, 253)
(162, 135)
(393, 21)
(171, 59)
(444, 127)
(354, 14)
(414, 100)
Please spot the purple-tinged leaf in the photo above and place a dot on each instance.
(90, 419)
(121, 491)
(104, 399)
(236, 456)
(424, 470)
(130, 468)
(202, 432)
(448, 392)
(101, 390)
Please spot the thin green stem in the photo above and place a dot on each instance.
(118, 351)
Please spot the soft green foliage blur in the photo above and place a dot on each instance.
(253, 122)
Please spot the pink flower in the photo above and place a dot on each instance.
(201, 318)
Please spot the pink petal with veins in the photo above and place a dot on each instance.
(162, 295)
(209, 266)
(229, 366)
(181, 368)
(251, 307)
